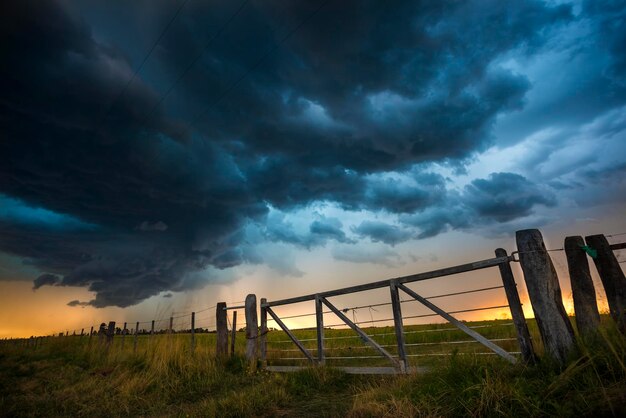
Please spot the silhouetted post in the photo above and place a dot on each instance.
(319, 321)
(545, 294)
(252, 331)
(193, 331)
(398, 325)
(82, 332)
(102, 334)
(221, 323)
(612, 278)
(517, 313)
(123, 335)
(152, 329)
(136, 336)
(90, 335)
(233, 334)
(110, 334)
(169, 330)
(263, 341)
(583, 290)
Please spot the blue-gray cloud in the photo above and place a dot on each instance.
(379, 231)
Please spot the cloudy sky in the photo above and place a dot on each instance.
(166, 155)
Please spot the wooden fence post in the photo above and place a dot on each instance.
(90, 335)
(263, 342)
(169, 330)
(398, 325)
(319, 320)
(252, 331)
(102, 334)
(544, 291)
(221, 324)
(110, 334)
(233, 334)
(123, 335)
(517, 313)
(583, 290)
(82, 332)
(136, 336)
(612, 278)
(193, 332)
(152, 329)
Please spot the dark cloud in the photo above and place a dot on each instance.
(500, 198)
(504, 197)
(45, 280)
(329, 228)
(75, 302)
(169, 187)
(383, 232)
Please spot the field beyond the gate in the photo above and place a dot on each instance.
(70, 376)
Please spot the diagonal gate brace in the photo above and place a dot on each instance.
(290, 334)
(484, 341)
(366, 338)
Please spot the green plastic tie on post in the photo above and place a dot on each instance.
(592, 253)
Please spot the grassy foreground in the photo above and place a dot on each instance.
(66, 378)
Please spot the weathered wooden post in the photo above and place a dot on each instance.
(319, 321)
(169, 330)
(123, 335)
(221, 323)
(193, 331)
(583, 290)
(612, 278)
(110, 334)
(102, 334)
(252, 331)
(544, 291)
(515, 305)
(90, 336)
(82, 332)
(152, 329)
(233, 334)
(136, 336)
(263, 342)
(398, 325)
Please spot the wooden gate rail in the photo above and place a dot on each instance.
(463, 268)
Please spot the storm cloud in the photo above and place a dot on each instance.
(186, 166)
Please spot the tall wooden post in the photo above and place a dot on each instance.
(169, 330)
(517, 313)
(263, 339)
(193, 332)
(583, 290)
(252, 331)
(612, 278)
(90, 336)
(110, 334)
(233, 334)
(82, 332)
(398, 325)
(136, 336)
(152, 329)
(545, 295)
(319, 320)
(123, 335)
(102, 334)
(221, 323)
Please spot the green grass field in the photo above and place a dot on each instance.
(70, 376)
